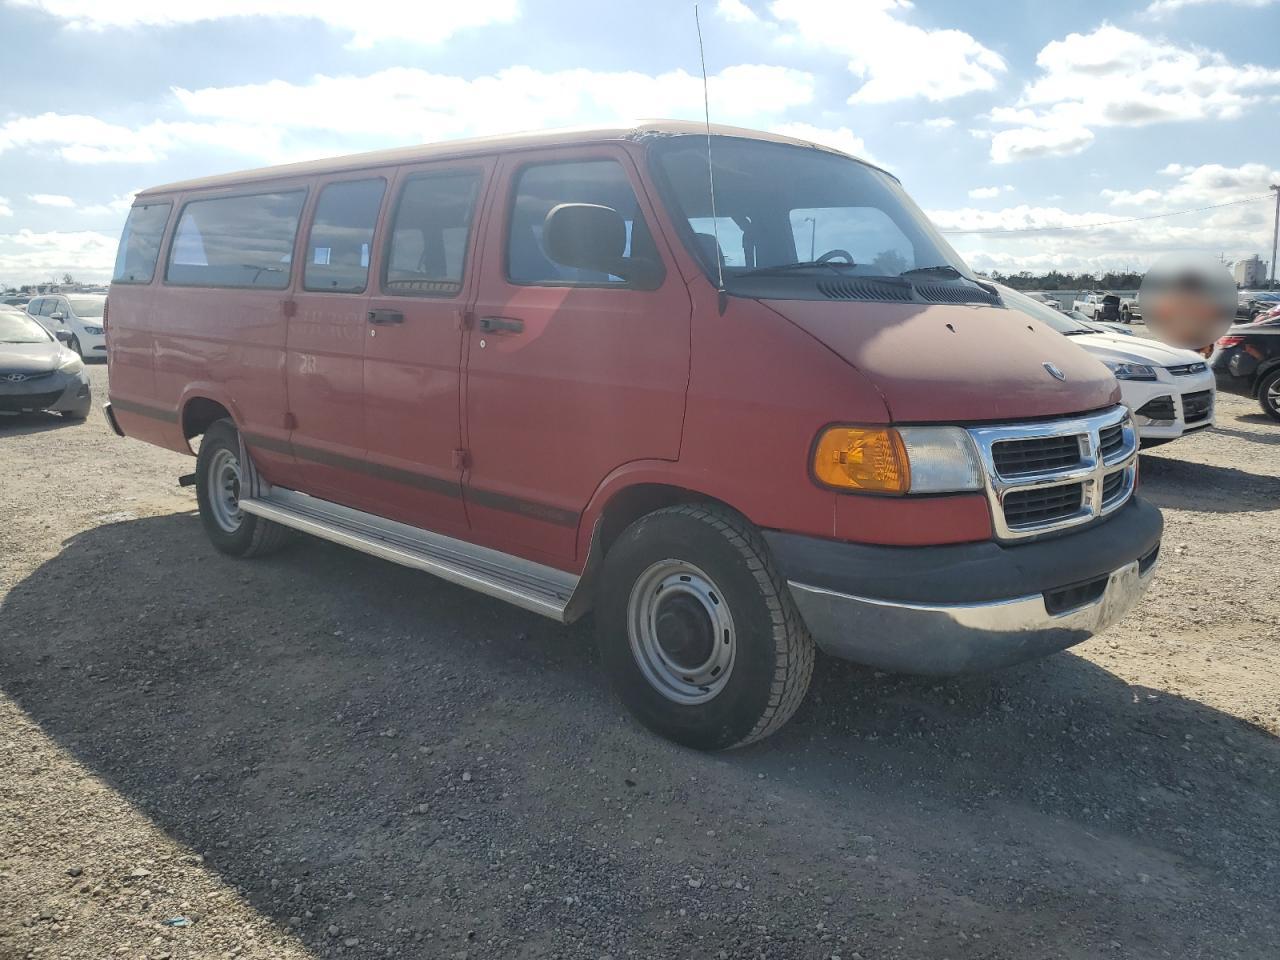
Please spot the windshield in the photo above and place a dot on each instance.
(1041, 311)
(87, 308)
(779, 205)
(19, 328)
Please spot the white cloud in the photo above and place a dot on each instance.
(77, 138)
(894, 59)
(409, 104)
(986, 193)
(940, 123)
(27, 257)
(841, 138)
(117, 205)
(51, 200)
(5, 209)
(1111, 78)
(736, 11)
(367, 22)
(1161, 7)
(1012, 242)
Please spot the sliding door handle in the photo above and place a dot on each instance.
(501, 325)
(386, 316)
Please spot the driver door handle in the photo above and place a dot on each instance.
(386, 316)
(501, 325)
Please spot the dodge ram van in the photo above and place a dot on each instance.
(728, 391)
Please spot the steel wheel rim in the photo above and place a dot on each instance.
(681, 632)
(224, 491)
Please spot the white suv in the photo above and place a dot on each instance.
(1171, 392)
(80, 314)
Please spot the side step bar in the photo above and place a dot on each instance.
(526, 584)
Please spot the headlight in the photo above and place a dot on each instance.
(70, 363)
(1131, 371)
(96, 331)
(904, 460)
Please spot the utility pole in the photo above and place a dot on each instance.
(1275, 235)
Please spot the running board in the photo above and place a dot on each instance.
(526, 584)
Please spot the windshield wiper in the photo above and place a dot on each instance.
(944, 268)
(798, 265)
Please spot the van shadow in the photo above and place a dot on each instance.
(25, 424)
(1202, 487)
(309, 719)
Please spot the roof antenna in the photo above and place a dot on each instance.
(711, 174)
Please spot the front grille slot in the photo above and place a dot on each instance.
(1161, 408)
(1112, 487)
(1110, 440)
(1021, 458)
(1197, 406)
(1029, 508)
(1186, 369)
(15, 403)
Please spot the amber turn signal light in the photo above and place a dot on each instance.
(873, 459)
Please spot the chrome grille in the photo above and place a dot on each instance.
(1016, 458)
(1186, 369)
(1034, 487)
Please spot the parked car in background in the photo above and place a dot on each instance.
(1247, 362)
(543, 366)
(37, 372)
(1046, 300)
(1170, 391)
(15, 301)
(1108, 306)
(1253, 303)
(80, 314)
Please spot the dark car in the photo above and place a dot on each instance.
(1247, 361)
(1250, 305)
(37, 372)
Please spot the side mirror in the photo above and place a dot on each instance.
(593, 237)
(57, 316)
(64, 336)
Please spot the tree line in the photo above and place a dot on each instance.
(1054, 280)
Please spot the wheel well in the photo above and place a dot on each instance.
(634, 502)
(199, 414)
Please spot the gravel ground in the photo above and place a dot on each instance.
(323, 755)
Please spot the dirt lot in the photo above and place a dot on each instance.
(321, 754)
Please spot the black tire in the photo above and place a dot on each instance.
(252, 536)
(1126, 316)
(772, 658)
(1269, 394)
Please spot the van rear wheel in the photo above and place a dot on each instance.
(218, 477)
(698, 632)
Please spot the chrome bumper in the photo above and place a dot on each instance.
(960, 637)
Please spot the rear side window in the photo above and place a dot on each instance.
(140, 243)
(342, 235)
(542, 187)
(236, 241)
(430, 233)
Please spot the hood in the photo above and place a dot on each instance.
(29, 357)
(1122, 349)
(957, 363)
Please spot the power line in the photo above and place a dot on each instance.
(1107, 223)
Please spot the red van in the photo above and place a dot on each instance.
(556, 369)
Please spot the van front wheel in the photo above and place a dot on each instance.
(698, 632)
(218, 476)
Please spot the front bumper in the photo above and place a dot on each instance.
(969, 607)
(61, 392)
(1171, 406)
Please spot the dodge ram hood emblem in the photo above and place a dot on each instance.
(1054, 371)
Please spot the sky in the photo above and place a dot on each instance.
(1006, 121)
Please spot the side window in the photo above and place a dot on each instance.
(341, 236)
(865, 233)
(48, 306)
(140, 243)
(236, 241)
(34, 306)
(542, 187)
(430, 232)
